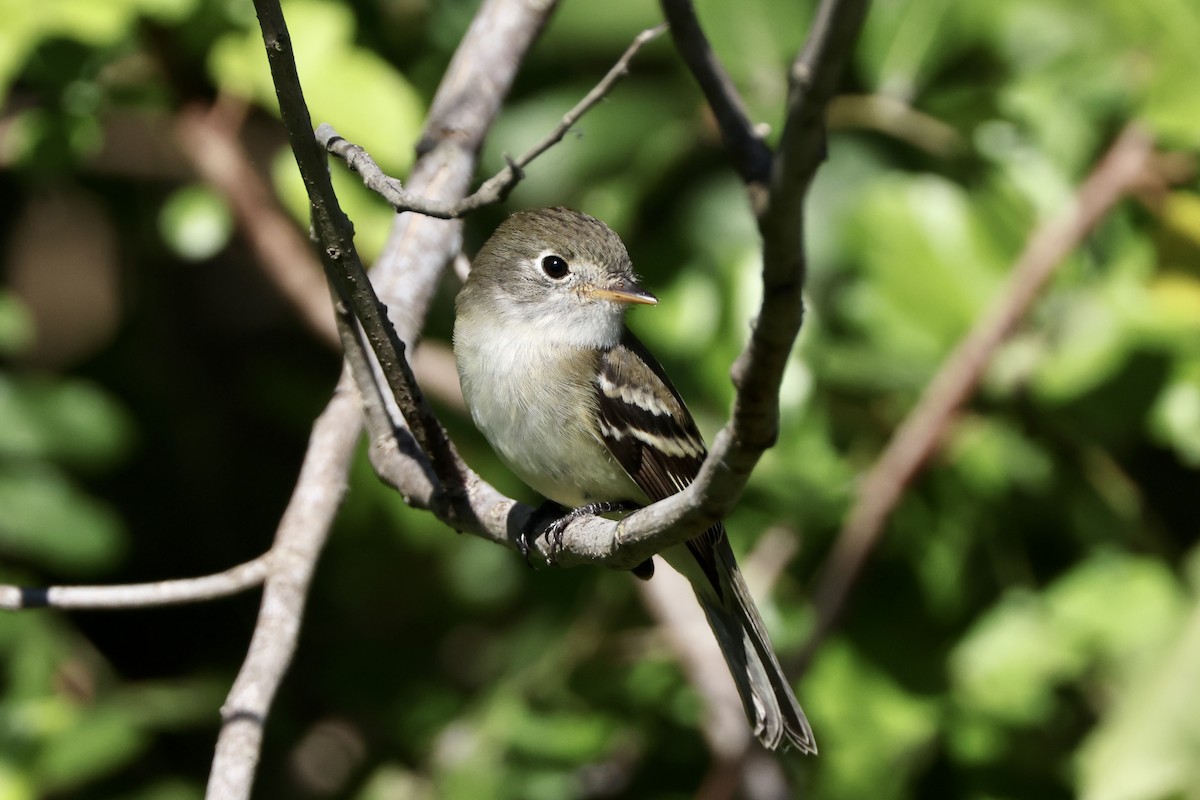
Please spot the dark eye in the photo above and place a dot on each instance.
(555, 266)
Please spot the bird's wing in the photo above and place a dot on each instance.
(646, 426)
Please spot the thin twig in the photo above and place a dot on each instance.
(758, 371)
(1118, 173)
(496, 188)
(209, 140)
(750, 155)
(140, 595)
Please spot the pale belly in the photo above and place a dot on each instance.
(547, 438)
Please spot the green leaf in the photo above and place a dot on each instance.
(929, 266)
(49, 521)
(72, 421)
(558, 736)
(483, 574)
(1148, 747)
(195, 222)
(869, 728)
(1010, 662)
(16, 326)
(1116, 607)
(1104, 615)
(364, 98)
(100, 743)
(15, 783)
(26, 25)
(169, 790)
(995, 457)
(1175, 418)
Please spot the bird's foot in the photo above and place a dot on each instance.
(557, 528)
(542, 517)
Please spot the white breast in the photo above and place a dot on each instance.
(546, 435)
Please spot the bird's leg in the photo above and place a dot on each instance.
(555, 530)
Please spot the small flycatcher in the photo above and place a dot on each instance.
(578, 408)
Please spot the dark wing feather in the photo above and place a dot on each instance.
(649, 431)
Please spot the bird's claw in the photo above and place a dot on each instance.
(539, 521)
(557, 529)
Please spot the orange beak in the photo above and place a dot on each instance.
(623, 291)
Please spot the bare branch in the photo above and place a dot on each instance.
(298, 543)
(466, 103)
(503, 181)
(746, 149)
(758, 371)
(1120, 172)
(140, 595)
(496, 188)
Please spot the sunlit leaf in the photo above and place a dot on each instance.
(15, 783)
(365, 98)
(16, 326)
(196, 223)
(1149, 746)
(1011, 661)
(99, 743)
(868, 727)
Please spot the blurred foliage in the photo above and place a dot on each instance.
(1031, 625)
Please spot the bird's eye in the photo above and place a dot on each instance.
(555, 266)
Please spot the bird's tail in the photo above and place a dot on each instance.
(767, 697)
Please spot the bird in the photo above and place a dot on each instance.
(577, 407)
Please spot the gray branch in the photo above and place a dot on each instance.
(140, 595)
(472, 90)
(494, 189)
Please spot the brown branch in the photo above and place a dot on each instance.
(1119, 172)
(140, 595)
(750, 155)
(496, 188)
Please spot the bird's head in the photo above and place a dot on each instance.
(560, 270)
